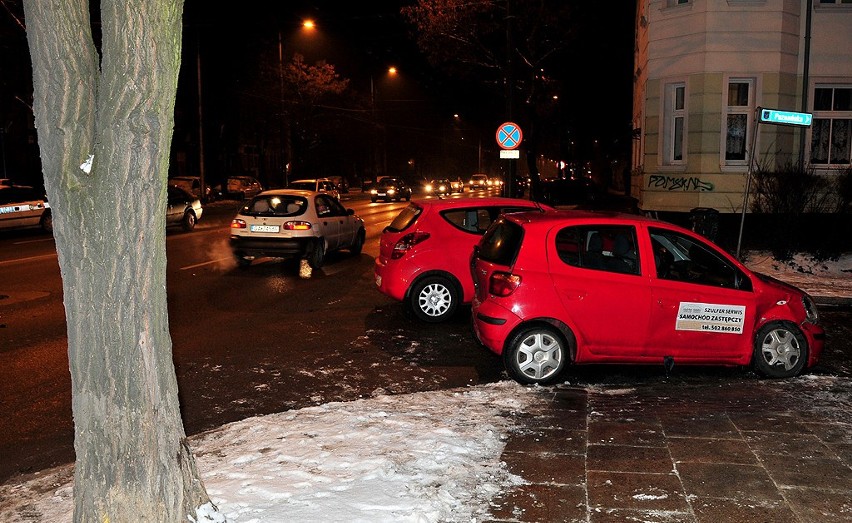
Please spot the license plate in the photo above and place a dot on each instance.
(264, 228)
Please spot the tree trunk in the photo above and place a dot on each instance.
(104, 135)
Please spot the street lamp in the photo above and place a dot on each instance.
(379, 153)
(308, 26)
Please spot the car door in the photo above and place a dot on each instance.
(348, 224)
(20, 207)
(329, 221)
(176, 205)
(702, 304)
(606, 304)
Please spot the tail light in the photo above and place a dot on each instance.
(297, 226)
(503, 284)
(238, 224)
(407, 242)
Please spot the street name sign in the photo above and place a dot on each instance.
(774, 116)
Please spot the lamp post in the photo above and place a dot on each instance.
(379, 151)
(308, 25)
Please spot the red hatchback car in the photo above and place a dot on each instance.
(591, 287)
(424, 254)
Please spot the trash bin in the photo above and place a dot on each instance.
(705, 221)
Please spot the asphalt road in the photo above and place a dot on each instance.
(262, 340)
(245, 342)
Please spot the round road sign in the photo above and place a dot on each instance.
(509, 135)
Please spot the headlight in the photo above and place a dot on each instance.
(428, 188)
(374, 191)
(810, 309)
(391, 191)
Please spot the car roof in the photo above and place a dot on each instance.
(580, 217)
(477, 202)
(310, 180)
(288, 192)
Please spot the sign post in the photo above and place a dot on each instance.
(509, 137)
(773, 117)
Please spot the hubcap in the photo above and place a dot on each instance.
(434, 300)
(539, 356)
(780, 347)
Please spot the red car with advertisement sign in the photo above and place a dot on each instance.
(594, 287)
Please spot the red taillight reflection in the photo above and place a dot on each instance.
(297, 226)
(238, 224)
(503, 284)
(407, 242)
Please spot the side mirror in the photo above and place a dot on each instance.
(350, 212)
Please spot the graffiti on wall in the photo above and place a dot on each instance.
(672, 183)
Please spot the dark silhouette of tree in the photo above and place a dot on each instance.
(510, 45)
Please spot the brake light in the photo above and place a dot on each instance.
(238, 224)
(503, 284)
(297, 226)
(407, 242)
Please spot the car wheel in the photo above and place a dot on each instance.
(535, 355)
(408, 197)
(188, 222)
(317, 255)
(373, 200)
(47, 222)
(358, 242)
(243, 262)
(434, 299)
(780, 350)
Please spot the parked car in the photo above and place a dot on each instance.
(341, 183)
(24, 206)
(478, 181)
(389, 189)
(586, 287)
(242, 187)
(183, 209)
(288, 223)
(424, 253)
(585, 193)
(192, 185)
(323, 185)
(441, 187)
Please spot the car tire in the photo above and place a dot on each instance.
(373, 200)
(408, 197)
(358, 242)
(434, 299)
(46, 222)
(243, 262)
(188, 222)
(536, 355)
(780, 350)
(316, 256)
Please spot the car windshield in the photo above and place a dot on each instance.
(304, 186)
(275, 205)
(387, 182)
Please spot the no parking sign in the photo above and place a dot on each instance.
(509, 135)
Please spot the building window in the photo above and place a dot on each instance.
(824, 2)
(675, 123)
(738, 108)
(832, 126)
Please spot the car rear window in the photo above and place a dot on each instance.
(405, 218)
(275, 205)
(501, 242)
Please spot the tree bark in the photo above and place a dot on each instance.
(104, 127)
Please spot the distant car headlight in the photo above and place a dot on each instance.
(810, 309)
(391, 191)
(428, 188)
(374, 191)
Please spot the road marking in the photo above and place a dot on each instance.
(31, 258)
(202, 264)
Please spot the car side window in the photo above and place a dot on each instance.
(324, 206)
(476, 220)
(679, 257)
(603, 248)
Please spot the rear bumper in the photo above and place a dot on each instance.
(492, 324)
(389, 280)
(274, 247)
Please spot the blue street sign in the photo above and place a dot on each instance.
(509, 135)
(777, 117)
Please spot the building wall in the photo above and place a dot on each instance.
(701, 46)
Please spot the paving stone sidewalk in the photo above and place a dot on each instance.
(745, 450)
